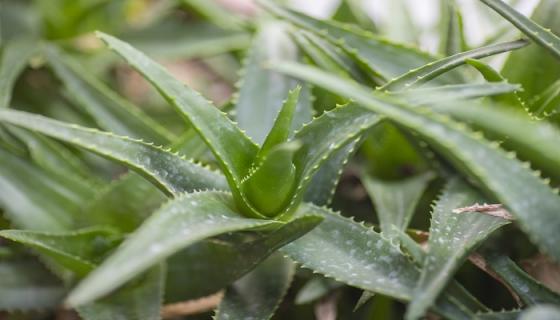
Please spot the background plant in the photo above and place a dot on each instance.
(114, 207)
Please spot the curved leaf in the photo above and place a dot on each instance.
(178, 224)
(528, 197)
(257, 295)
(13, 59)
(170, 172)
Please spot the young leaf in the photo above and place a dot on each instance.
(434, 69)
(26, 285)
(528, 197)
(168, 171)
(395, 201)
(193, 216)
(140, 300)
(110, 111)
(13, 59)
(233, 149)
(77, 251)
(452, 237)
(257, 295)
(527, 288)
(534, 31)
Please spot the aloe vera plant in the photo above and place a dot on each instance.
(128, 194)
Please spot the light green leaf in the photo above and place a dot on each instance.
(547, 103)
(528, 197)
(257, 295)
(178, 224)
(452, 36)
(13, 59)
(526, 287)
(109, 111)
(139, 300)
(453, 236)
(531, 29)
(170, 172)
(78, 251)
(541, 312)
(26, 285)
(395, 201)
(215, 13)
(434, 69)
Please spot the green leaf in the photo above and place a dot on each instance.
(192, 216)
(199, 270)
(78, 251)
(544, 37)
(380, 58)
(170, 172)
(262, 90)
(14, 57)
(547, 103)
(215, 13)
(452, 36)
(453, 236)
(541, 312)
(257, 295)
(530, 200)
(395, 201)
(526, 287)
(434, 69)
(315, 288)
(110, 111)
(26, 285)
(139, 300)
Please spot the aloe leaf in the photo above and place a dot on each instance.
(452, 237)
(531, 29)
(233, 149)
(434, 69)
(257, 294)
(140, 300)
(26, 285)
(544, 312)
(110, 111)
(449, 93)
(215, 13)
(315, 288)
(381, 59)
(501, 315)
(352, 11)
(262, 91)
(13, 59)
(452, 36)
(535, 142)
(78, 251)
(35, 199)
(534, 67)
(526, 287)
(194, 216)
(198, 270)
(168, 171)
(547, 103)
(530, 200)
(395, 201)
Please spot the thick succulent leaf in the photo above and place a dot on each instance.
(13, 59)
(170, 172)
(534, 67)
(26, 285)
(139, 300)
(452, 237)
(452, 36)
(352, 11)
(109, 111)
(199, 270)
(233, 149)
(434, 69)
(78, 251)
(395, 201)
(528, 197)
(36, 199)
(382, 59)
(262, 90)
(331, 249)
(547, 103)
(257, 295)
(449, 93)
(526, 287)
(322, 138)
(541, 312)
(531, 29)
(315, 288)
(535, 142)
(193, 216)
